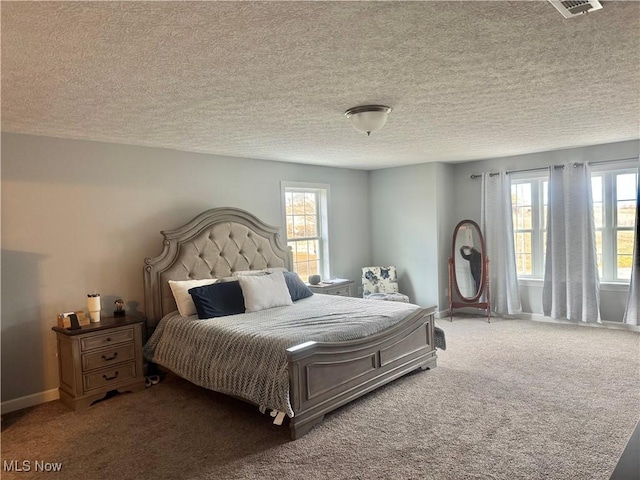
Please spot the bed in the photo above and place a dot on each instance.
(316, 369)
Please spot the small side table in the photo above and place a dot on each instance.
(99, 358)
(342, 288)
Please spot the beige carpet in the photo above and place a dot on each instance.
(511, 399)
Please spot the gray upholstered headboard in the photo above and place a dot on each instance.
(214, 244)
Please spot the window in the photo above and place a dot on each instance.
(614, 210)
(614, 206)
(305, 211)
(529, 201)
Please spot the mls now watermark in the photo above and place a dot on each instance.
(29, 466)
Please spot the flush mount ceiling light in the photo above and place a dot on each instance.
(368, 118)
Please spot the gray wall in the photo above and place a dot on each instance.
(81, 216)
(404, 228)
(446, 222)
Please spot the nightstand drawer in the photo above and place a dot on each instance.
(110, 376)
(106, 339)
(343, 291)
(104, 358)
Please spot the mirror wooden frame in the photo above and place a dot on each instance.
(477, 301)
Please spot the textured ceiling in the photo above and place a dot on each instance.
(271, 80)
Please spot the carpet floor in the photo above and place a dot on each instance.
(513, 399)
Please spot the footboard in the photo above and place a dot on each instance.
(324, 376)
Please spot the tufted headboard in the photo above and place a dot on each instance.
(214, 244)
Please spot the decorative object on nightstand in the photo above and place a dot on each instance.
(314, 279)
(93, 305)
(64, 319)
(381, 283)
(119, 311)
(99, 358)
(341, 287)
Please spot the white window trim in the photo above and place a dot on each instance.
(324, 190)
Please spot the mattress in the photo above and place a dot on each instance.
(245, 355)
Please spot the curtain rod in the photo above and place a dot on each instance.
(493, 174)
(478, 175)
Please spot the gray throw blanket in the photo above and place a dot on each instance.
(245, 355)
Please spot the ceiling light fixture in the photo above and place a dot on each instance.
(368, 118)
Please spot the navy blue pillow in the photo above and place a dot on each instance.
(297, 288)
(218, 299)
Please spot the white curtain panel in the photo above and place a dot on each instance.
(571, 286)
(496, 223)
(632, 313)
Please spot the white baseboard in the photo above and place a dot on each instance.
(538, 317)
(29, 400)
(441, 314)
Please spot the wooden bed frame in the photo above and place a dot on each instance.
(322, 376)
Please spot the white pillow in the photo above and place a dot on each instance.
(180, 290)
(262, 292)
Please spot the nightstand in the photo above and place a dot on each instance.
(99, 358)
(343, 288)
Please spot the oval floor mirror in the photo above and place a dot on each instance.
(468, 269)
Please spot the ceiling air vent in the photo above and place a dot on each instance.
(573, 8)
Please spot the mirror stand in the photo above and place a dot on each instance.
(468, 269)
(486, 305)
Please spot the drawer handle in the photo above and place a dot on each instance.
(107, 359)
(110, 378)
